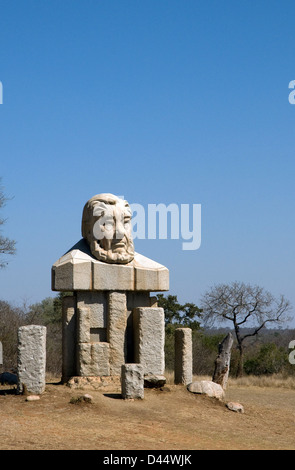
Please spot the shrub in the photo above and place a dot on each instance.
(270, 359)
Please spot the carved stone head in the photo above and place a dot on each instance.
(106, 225)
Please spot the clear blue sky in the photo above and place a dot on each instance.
(160, 101)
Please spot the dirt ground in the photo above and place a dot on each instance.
(168, 419)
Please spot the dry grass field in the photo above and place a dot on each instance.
(167, 419)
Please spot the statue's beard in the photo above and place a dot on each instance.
(113, 251)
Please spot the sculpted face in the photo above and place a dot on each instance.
(106, 225)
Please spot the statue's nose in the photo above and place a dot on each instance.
(119, 224)
(120, 230)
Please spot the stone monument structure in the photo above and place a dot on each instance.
(110, 319)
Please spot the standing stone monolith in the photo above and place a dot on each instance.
(149, 333)
(222, 362)
(31, 359)
(132, 383)
(183, 370)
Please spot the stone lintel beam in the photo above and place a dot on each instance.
(78, 270)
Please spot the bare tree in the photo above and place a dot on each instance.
(11, 318)
(245, 306)
(7, 246)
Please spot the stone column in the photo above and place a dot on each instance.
(117, 324)
(134, 300)
(31, 359)
(132, 382)
(68, 337)
(183, 356)
(149, 331)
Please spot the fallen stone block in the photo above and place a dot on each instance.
(207, 387)
(154, 381)
(234, 406)
(32, 398)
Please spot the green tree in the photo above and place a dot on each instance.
(270, 359)
(48, 311)
(41, 313)
(177, 314)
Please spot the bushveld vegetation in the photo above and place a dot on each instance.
(266, 354)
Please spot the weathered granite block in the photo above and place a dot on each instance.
(31, 359)
(72, 272)
(117, 324)
(134, 300)
(183, 371)
(91, 317)
(149, 338)
(1, 353)
(93, 359)
(132, 381)
(207, 387)
(106, 383)
(111, 276)
(78, 270)
(150, 275)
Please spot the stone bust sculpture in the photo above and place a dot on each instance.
(106, 225)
